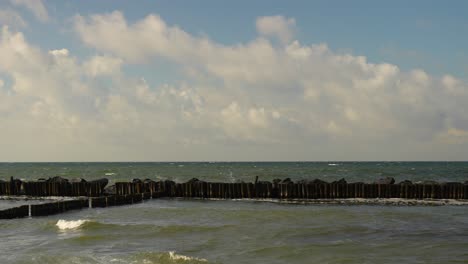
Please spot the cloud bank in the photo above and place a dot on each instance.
(272, 98)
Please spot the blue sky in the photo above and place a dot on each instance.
(423, 34)
(238, 80)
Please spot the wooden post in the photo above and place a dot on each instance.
(321, 190)
(238, 192)
(463, 191)
(443, 192)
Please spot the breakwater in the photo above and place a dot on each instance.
(57, 207)
(96, 194)
(287, 189)
(55, 186)
(278, 189)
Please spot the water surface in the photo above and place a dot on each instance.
(200, 231)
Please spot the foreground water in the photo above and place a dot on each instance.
(181, 231)
(197, 231)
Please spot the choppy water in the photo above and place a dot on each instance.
(198, 231)
(246, 171)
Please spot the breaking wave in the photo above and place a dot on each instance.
(174, 256)
(72, 224)
(170, 257)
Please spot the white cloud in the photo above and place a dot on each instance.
(254, 97)
(276, 26)
(326, 92)
(102, 65)
(60, 52)
(153, 36)
(35, 6)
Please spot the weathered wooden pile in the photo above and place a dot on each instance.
(42, 209)
(55, 186)
(89, 195)
(57, 207)
(280, 189)
(287, 189)
(95, 194)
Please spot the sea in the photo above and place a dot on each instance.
(241, 231)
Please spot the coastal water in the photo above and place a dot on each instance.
(201, 231)
(241, 171)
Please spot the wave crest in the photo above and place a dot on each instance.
(167, 257)
(174, 256)
(72, 224)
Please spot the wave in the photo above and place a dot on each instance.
(174, 256)
(168, 257)
(86, 224)
(144, 229)
(72, 224)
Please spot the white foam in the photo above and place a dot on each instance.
(41, 198)
(72, 224)
(109, 173)
(333, 164)
(175, 256)
(381, 201)
(352, 201)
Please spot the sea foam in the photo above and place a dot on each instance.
(174, 256)
(72, 224)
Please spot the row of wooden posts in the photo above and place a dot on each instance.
(64, 206)
(89, 189)
(201, 189)
(134, 192)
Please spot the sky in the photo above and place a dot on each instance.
(233, 80)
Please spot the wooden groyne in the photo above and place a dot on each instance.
(57, 207)
(55, 186)
(95, 194)
(300, 190)
(278, 189)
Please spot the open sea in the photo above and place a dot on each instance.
(240, 231)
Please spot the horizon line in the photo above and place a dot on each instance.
(235, 161)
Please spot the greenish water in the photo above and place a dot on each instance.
(241, 232)
(200, 231)
(246, 171)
